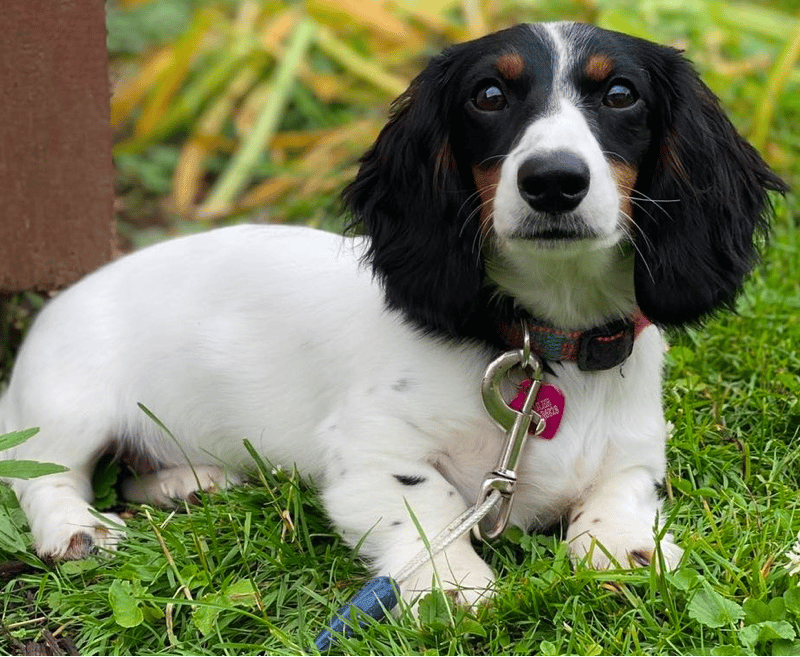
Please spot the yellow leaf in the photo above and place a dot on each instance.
(431, 14)
(187, 177)
(298, 139)
(278, 28)
(368, 13)
(476, 20)
(268, 191)
(183, 53)
(358, 65)
(433, 8)
(127, 95)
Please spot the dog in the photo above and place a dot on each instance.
(555, 185)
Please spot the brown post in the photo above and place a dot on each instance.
(56, 176)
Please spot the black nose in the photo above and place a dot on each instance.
(555, 182)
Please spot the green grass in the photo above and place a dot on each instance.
(258, 569)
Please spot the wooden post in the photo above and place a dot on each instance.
(56, 175)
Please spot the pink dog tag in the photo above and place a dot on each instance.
(549, 404)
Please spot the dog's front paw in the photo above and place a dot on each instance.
(604, 543)
(458, 571)
(76, 533)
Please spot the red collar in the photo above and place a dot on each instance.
(599, 348)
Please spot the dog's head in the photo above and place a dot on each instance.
(559, 145)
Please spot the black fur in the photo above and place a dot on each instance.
(414, 203)
(709, 205)
(700, 203)
(410, 480)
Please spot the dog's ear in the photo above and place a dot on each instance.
(702, 202)
(418, 208)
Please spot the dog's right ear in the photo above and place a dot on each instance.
(419, 210)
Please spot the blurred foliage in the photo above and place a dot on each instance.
(231, 108)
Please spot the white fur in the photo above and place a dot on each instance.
(278, 335)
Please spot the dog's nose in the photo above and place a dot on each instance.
(555, 182)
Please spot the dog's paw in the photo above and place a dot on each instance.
(77, 533)
(164, 487)
(460, 573)
(603, 543)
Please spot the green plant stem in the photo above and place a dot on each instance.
(357, 64)
(235, 177)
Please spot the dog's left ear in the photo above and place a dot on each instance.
(702, 203)
(419, 209)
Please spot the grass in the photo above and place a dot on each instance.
(258, 569)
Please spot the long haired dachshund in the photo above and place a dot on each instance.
(576, 185)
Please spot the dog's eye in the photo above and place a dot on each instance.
(490, 99)
(619, 96)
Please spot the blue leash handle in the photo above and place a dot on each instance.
(378, 596)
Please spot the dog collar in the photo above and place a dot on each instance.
(599, 348)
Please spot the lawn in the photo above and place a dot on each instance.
(258, 569)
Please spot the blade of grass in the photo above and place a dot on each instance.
(235, 177)
(189, 171)
(184, 51)
(359, 66)
(752, 17)
(476, 21)
(432, 16)
(367, 13)
(130, 94)
(241, 54)
(776, 83)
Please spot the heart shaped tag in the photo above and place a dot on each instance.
(549, 405)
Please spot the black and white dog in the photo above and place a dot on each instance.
(559, 177)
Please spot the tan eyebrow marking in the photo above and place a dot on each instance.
(510, 65)
(598, 67)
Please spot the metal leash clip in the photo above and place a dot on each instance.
(515, 423)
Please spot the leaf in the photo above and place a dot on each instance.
(434, 610)
(684, 579)
(78, 567)
(471, 626)
(370, 14)
(760, 633)
(11, 538)
(792, 600)
(104, 483)
(9, 440)
(124, 604)
(241, 593)
(786, 647)
(205, 615)
(362, 67)
(239, 170)
(711, 609)
(756, 611)
(28, 469)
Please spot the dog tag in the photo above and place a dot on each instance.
(549, 405)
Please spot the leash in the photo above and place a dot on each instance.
(381, 594)
(518, 419)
